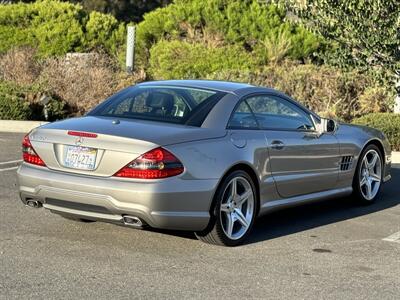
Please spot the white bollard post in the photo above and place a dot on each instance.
(396, 108)
(130, 49)
(397, 105)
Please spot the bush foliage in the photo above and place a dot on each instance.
(13, 104)
(249, 24)
(20, 66)
(365, 33)
(75, 82)
(82, 81)
(56, 28)
(195, 60)
(388, 123)
(104, 31)
(22, 102)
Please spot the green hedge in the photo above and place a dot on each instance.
(13, 105)
(56, 27)
(179, 60)
(388, 123)
(250, 24)
(22, 103)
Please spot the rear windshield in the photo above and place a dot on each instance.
(164, 104)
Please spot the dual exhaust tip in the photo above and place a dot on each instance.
(132, 221)
(33, 203)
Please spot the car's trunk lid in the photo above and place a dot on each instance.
(116, 141)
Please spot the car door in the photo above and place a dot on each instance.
(302, 161)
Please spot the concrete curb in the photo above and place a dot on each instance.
(19, 126)
(395, 157)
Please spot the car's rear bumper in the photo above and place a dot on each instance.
(171, 203)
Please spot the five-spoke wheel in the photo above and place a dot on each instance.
(368, 176)
(237, 208)
(234, 211)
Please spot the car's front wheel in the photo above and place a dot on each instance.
(234, 212)
(368, 176)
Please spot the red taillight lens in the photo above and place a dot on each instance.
(157, 163)
(28, 153)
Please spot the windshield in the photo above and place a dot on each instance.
(164, 104)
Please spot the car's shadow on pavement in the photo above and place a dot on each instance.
(300, 218)
(305, 217)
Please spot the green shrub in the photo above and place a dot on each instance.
(388, 123)
(56, 27)
(247, 23)
(13, 105)
(178, 60)
(22, 102)
(52, 26)
(104, 31)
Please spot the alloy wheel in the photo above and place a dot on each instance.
(237, 208)
(370, 175)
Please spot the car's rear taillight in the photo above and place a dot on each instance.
(28, 153)
(157, 163)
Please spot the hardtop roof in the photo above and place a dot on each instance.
(223, 86)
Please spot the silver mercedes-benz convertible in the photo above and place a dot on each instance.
(204, 156)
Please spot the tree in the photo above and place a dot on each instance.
(124, 10)
(363, 33)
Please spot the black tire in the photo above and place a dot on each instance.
(358, 193)
(215, 233)
(77, 219)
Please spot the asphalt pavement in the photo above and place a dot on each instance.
(328, 250)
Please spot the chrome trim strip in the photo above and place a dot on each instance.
(184, 214)
(305, 198)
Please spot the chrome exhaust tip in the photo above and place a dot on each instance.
(132, 221)
(33, 203)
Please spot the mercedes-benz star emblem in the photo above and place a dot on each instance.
(79, 141)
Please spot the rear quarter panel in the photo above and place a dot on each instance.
(213, 158)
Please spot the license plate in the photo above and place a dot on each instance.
(80, 158)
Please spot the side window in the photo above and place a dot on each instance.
(273, 112)
(243, 118)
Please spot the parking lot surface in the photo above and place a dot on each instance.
(328, 250)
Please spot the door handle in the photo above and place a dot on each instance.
(278, 145)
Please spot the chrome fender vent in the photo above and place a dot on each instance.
(346, 163)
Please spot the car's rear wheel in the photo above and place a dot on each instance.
(368, 176)
(234, 211)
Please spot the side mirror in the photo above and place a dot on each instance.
(331, 125)
(325, 125)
